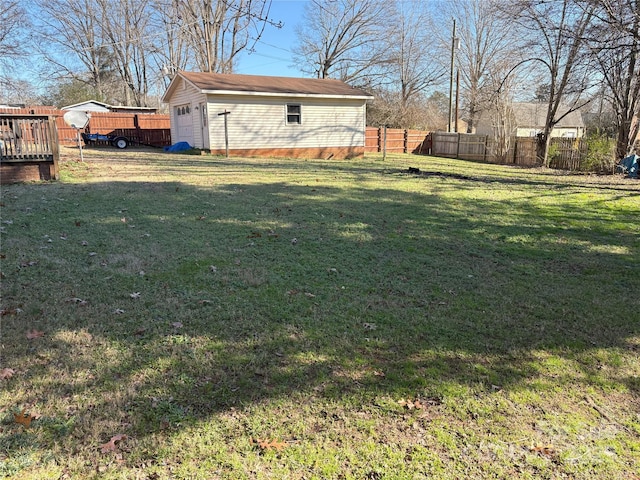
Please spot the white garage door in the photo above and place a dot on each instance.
(184, 123)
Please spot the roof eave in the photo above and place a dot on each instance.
(286, 94)
(172, 86)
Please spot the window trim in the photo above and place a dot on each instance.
(297, 114)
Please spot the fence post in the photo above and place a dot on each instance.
(406, 141)
(458, 146)
(486, 143)
(136, 125)
(384, 144)
(515, 150)
(54, 145)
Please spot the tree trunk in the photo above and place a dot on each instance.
(623, 148)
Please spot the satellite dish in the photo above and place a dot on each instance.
(76, 119)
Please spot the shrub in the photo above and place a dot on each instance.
(600, 156)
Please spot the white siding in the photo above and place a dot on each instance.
(260, 122)
(573, 132)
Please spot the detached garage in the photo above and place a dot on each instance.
(267, 116)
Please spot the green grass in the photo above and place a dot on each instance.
(178, 309)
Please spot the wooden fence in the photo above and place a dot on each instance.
(146, 129)
(28, 148)
(565, 153)
(394, 140)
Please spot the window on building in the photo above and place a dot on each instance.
(294, 114)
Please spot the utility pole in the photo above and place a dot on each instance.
(226, 131)
(455, 44)
(455, 124)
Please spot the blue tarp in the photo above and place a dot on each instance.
(178, 147)
(630, 165)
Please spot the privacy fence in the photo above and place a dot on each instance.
(146, 129)
(30, 138)
(564, 153)
(395, 140)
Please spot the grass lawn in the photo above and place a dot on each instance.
(192, 317)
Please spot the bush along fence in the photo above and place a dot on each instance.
(146, 129)
(574, 154)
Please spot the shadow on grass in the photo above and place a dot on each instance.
(382, 293)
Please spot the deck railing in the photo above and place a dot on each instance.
(28, 148)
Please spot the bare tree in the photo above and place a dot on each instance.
(12, 28)
(615, 41)
(557, 43)
(341, 38)
(124, 25)
(73, 44)
(218, 30)
(486, 45)
(499, 110)
(12, 21)
(170, 48)
(411, 48)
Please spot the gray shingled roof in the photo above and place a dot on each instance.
(212, 82)
(534, 115)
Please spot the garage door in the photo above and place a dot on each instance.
(185, 124)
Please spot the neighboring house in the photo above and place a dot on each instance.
(267, 116)
(528, 119)
(95, 106)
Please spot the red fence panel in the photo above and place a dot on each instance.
(397, 140)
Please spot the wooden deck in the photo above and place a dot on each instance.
(28, 148)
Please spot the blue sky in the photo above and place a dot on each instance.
(272, 54)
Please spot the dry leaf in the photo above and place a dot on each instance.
(23, 418)
(369, 326)
(6, 373)
(409, 404)
(135, 295)
(269, 444)
(34, 334)
(29, 264)
(118, 311)
(543, 449)
(111, 445)
(310, 295)
(177, 324)
(254, 235)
